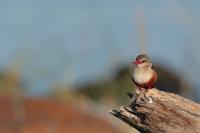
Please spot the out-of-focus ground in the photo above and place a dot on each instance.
(48, 116)
(62, 111)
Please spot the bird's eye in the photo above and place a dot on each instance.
(143, 61)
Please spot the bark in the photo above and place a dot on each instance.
(168, 113)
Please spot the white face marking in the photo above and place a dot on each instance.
(142, 75)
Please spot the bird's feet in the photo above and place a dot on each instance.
(146, 95)
(150, 100)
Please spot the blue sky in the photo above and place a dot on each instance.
(74, 42)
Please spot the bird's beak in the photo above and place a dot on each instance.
(136, 62)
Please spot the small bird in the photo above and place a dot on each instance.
(143, 75)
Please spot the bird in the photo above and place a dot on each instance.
(143, 75)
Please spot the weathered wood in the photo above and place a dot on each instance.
(168, 113)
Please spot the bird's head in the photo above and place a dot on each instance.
(142, 61)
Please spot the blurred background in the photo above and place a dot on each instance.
(64, 64)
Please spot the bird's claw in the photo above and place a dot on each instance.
(150, 100)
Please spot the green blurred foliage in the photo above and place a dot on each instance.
(113, 90)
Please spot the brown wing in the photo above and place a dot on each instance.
(152, 82)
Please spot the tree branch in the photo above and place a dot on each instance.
(168, 113)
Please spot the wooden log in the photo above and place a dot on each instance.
(168, 113)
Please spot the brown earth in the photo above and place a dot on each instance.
(47, 116)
